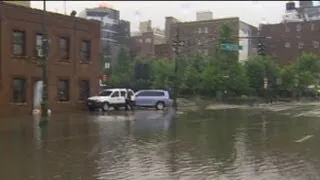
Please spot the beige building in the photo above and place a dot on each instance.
(21, 3)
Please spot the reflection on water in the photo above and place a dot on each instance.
(226, 144)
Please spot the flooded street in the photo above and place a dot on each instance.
(220, 144)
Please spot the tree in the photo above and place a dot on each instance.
(287, 75)
(308, 70)
(191, 79)
(162, 74)
(122, 72)
(257, 69)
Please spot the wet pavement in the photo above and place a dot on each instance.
(220, 144)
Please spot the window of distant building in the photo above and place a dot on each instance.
(300, 45)
(85, 51)
(315, 44)
(147, 40)
(18, 43)
(38, 47)
(298, 27)
(198, 41)
(287, 45)
(206, 52)
(199, 31)
(63, 90)
(287, 29)
(206, 30)
(19, 90)
(64, 48)
(84, 89)
(312, 27)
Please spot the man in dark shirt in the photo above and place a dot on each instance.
(128, 100)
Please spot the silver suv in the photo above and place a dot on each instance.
(152, 98)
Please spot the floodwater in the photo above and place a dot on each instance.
(222, 144)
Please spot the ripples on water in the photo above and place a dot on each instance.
(226, 144)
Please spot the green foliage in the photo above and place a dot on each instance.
(122, 73)
(257, 69)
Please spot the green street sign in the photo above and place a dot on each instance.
(231, 47)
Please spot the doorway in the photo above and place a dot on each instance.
(37, 94)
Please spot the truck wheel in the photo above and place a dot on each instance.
(160, 106)
(105, 107)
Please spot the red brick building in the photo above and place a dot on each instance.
(163, 51)
(200, 37)
(288, 40)
(73, 64)
(143, 45)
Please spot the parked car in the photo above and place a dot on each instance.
(152, 98)
(115, 97)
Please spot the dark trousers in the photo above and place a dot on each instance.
(129, 104)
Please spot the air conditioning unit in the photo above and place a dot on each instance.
(40, 52)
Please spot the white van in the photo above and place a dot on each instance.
(115, 97)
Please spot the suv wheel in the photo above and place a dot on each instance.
(105, 106)
(160, 106)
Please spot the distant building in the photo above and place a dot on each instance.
(204, 16)
(305, 12)
(72, 66)
(115, 33)
(143, 42)
(145, 26)
(290, 39)
(169, 21)
(201, 36)
(163, 51)
(20, 3)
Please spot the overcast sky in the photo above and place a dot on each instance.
(252, 12)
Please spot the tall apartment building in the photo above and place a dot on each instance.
(73, 70)
(115, 33)
(144, 42)
(288, 40)
(202, 36)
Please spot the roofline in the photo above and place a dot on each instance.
(40, 12)
(252, 26)
(292, 22)
(208, 21)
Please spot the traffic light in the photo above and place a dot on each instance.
(261, 49)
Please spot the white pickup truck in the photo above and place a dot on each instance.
(115, 97)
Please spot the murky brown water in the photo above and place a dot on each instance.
(225, 144)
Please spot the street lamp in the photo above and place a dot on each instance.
(265, 87)
(176, 44)
(44, 103)
(296, 84)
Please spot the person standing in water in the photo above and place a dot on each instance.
(128, 100)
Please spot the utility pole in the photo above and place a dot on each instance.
(44, 103)
(176, 44)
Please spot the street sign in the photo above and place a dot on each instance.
(106, 65)
(231, 47)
